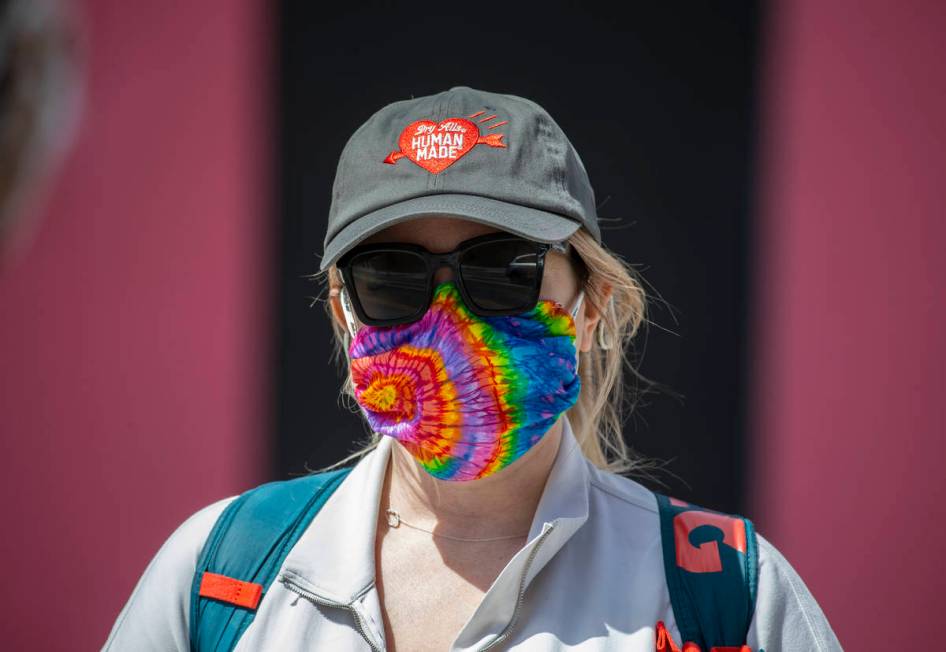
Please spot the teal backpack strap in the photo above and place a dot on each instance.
(244, 552)
(711, 563)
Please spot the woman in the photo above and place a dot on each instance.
(482, 326)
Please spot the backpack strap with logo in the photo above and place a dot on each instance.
(244, 552)
(711, 564)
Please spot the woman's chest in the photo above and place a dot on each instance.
(584, 598)
(559, 611)
(428, 591)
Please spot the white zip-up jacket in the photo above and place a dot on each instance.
(590, 578)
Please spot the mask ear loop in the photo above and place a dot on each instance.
(602, 344)
(348, 312)
(599, 329)
(574, 314)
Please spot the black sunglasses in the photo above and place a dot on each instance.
(496, 274)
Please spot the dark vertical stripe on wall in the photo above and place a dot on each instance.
(659, 103)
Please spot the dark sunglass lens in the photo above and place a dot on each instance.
(390, 284)
(502, 275)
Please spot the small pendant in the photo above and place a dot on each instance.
(393, 519)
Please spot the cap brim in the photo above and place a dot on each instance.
(521, 220)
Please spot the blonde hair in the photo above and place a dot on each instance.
(597, 416)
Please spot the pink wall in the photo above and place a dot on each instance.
(133, 335)
(134, 338)
(851, 361)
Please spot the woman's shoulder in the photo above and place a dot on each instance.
(622, 490)
(185, 542)
(156, 615)
(787, 616)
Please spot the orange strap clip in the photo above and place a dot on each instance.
(665, 643)
(228, 589)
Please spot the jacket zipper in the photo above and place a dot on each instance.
(308, 595)
(522, 592)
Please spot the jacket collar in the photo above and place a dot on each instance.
(335, 556)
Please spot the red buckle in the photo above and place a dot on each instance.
(665, 643)
(228, 589)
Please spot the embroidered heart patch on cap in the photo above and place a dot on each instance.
(436, 146)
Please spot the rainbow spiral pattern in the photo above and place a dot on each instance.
(467, 395)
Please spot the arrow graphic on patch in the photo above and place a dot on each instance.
(436, 146)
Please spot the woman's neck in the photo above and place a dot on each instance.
(501, 504)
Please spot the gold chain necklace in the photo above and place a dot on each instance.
(395, 520)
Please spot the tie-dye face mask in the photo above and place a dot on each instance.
(466, 395)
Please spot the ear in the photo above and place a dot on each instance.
(591, 317)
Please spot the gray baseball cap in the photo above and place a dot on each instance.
(488, 157)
